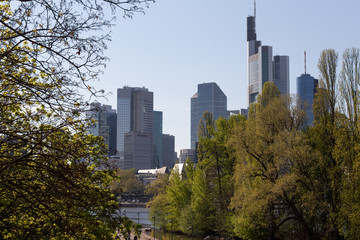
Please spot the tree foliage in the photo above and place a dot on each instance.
(127, 182)
(52, 180)
(272, 177)
(269, 158)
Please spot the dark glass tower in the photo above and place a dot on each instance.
(306, 88)
(251, 28)
(281, 73)
(157, 139)
(168, 151)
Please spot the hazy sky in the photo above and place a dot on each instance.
(178, 44)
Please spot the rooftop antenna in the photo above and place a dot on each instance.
(305, 61)
(255, 8)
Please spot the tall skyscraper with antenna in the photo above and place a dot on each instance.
(261, 65)
(306, 88)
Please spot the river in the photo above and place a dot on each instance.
(140, 215)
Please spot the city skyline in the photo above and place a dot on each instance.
(177, 45)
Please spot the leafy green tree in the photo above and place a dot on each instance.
(127, 182)
(212, 187)
(268, 198)
(52, 180)
(159, 202)
(347, 146)
(323, 139)
(350, 84)
(178, 194)
(328, 96)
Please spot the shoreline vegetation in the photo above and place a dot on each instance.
(270, 175)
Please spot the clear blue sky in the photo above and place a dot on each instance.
(178, 44)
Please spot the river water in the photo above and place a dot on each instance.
(140, 215)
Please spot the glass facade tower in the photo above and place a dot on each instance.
(262, 67)
(306, 88)
(209, 97)
(134, 114)
(168, 151)
(281, 73)
(157, 139)
(105, 125)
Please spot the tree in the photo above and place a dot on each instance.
(269, 201)
(51, 181)
(270, 91)
(347, 146)
(323, 136)
(212, 186)
(350, 84)
(328, 84)
(127, 182)
(159, 201)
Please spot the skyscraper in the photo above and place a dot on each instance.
(168, 151)
(261, 65)
(281, 73)
(157, 139)
(111, 122)
(138, 150)
(135, 114)
(306, 89)
(187, 153)
(209, 97)
(105, 126)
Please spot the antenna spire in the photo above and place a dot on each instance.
(305, 61)
(255, 8)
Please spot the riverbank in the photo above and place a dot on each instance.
(132, 204)
(143, 236)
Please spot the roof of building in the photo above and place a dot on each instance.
(162, 170)
(179, 167)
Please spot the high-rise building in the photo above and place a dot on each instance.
(281, 74)
(157, 139)
(134, 114)
(138, 150)
(306, 89)
(185, 154)
(105, 126)
(111, 122)
(168, 151)
(261, 65)
(209, 97)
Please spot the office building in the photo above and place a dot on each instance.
(262, 67)
(138, 150)
(111, 122)
(135, 125)
(157, 139)
(281, 74)
(185, 154)
(209, 97)
(306, 88)
(168, 151)
(105, 125)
